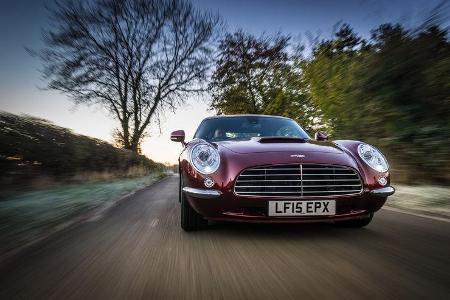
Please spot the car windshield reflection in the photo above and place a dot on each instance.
(241, 128)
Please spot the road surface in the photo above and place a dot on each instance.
(138, 251)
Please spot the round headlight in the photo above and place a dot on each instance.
(373, 158)
(205, 158)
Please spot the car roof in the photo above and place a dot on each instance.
(245, 115)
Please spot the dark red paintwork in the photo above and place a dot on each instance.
(239, 155)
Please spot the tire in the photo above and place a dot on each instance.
(357, 223)
(180, 187)
(190, 219)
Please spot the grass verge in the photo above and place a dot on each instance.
(27, 216)
(426, 199)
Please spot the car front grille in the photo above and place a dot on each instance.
(298, 180)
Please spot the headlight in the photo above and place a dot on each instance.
(372, 157)
(205, 158)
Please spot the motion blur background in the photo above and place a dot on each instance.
(375, 71)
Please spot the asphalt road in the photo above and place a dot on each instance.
(138, 251)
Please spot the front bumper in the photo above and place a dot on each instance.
(217, 205)
(210, 193)
(202, 193)
(383, 192)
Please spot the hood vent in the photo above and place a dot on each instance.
(278, 139)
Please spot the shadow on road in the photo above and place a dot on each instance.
(289, 231)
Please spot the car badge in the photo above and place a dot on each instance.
(297, 155)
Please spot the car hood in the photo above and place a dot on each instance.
(255, 146)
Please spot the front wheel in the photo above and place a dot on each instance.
(190, 219)
(357, 223)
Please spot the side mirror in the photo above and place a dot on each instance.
(321, 136)
(178, 136)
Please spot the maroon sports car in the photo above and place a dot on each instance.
(266, 169)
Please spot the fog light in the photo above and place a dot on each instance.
(208, 182)
(382, 181)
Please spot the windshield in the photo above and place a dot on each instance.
(246, 127)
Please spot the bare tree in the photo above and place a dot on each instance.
(134, 57)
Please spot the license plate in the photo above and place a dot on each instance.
(302, 208)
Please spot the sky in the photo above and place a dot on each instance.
(21, 86)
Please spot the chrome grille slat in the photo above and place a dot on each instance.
(298, 180)
(328, 174)
(256, 180)
(272, 175)
(275, 169)
(330, 185)
(346, 191)
(272, 186)
(331, 180)
(324, 169)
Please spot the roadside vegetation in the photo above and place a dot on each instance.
(35, 153)
(422, 199)
(391, 90)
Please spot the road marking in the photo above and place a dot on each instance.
(417, 214)
(154, 222)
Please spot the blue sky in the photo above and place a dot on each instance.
(21, 22)
(298, 16)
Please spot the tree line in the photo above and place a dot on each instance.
(391, 90)
(139, 58)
